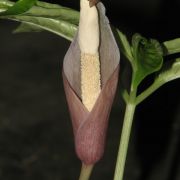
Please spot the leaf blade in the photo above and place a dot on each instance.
(172, 46)
(169, 72)
(125, 46)
(45, 16)
(19, 7)
(61, 28)
(148, 57)
(25, 27)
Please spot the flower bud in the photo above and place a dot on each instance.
(90, 76)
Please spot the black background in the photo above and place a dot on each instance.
(36, 140)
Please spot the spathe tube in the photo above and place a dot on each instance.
(90, 127)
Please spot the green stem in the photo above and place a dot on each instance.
(126, 130)
(85, 172)
(148, 92)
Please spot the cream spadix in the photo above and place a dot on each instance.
(90, 73)
(89, 46)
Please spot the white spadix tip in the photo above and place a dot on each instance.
(88, 28)
(89, 45)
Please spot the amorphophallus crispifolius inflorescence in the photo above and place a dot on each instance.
(90, 70)
(90, 74)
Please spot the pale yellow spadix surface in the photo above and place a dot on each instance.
(90, 79)
(89, 44)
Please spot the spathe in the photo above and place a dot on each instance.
(90, 127)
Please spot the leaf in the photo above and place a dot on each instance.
(4, 4)
(148, 57)
(169, 72)
(61, 28)
(45, 16)
(47, 10)
(172, 46)
(125, 46)
(47, 5)
(54, 11)
(19, 7)
(25, 27)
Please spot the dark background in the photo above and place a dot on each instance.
(36, 140)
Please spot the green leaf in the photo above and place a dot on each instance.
(47, 5)
(148, 57)
(45, 16)
(19, 7)
(125, 46)
(4, 5)
(169, 72)
(54, 11)
(25, 27)
(59, 27)
(172, 46)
